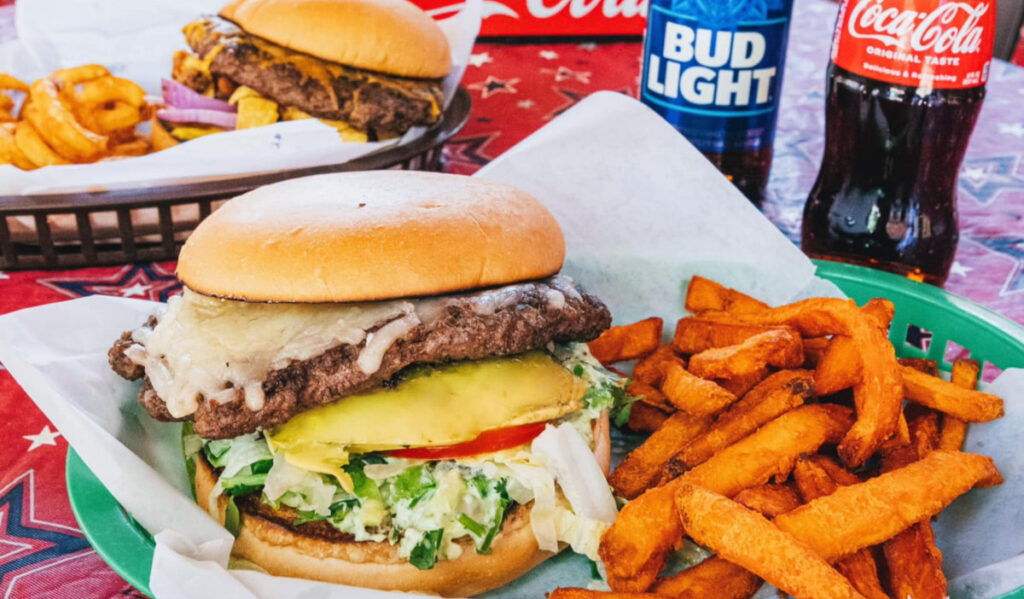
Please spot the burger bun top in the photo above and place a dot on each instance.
(375, 235)
(388, 36)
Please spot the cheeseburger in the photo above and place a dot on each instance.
(384, 381)
(370, 68)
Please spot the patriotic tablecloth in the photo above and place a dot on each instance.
(515, 89)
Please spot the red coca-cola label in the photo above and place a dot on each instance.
(939, 44)
(550, 17)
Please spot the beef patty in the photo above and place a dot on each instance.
(376, 103)
(528, 317)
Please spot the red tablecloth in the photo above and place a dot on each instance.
(515, 90)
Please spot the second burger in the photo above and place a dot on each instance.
(370, 68)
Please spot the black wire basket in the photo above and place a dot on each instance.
(72, 230)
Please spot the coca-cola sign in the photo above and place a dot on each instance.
(551, 17)
(954, 27)
(924, 43)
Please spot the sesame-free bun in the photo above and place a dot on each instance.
(389, 36)
(283, 550)
(372, 235)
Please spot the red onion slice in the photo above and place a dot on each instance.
(217, 118)
(181, 96)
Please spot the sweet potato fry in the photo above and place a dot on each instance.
(814, 350)
(839, 367)
(965, 373)
(627, 342)
(748, 539)
(923, 426)
(929, 367)
(713, 577)
(861, 570)
(716, 577)
(938, 394)
(704, 294)
(898, 439)
(777, 347)
(695, 334)
(838, 474)
(954, 430)
(878, 509)
(650, 396)
(741, 385)
(578, 593)
(644, 418)
(769, 499)
(777, 394)
(634, 548)
(650, 370)
(813, 479)
(915, 563)
(878, 396)
(690, 393)
(881, 310)
(642, 467)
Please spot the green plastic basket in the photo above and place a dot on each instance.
(988, 336)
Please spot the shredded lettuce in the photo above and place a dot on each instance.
(298, 488)
(605, 389)
(412, 484)
(232, 520)
(424, 554)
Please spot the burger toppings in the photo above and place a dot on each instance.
(431, 507)
(234, 367)
(377, 104)
(417, 412)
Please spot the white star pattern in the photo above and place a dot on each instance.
(1014, 129)
(565, 74)
(4, 275)
(960, 270)
(136, 290)
(548, 54)
(525, 104)
(588, 47)
(976, 174)
(45, 437)
(479, 60)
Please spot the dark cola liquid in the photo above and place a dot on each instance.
(747, 170)
(886, 193)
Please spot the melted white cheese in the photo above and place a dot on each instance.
(211, 347)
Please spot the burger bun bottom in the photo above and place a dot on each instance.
(283, 551)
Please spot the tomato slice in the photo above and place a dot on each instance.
(488, 442)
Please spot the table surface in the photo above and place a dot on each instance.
(515, 89)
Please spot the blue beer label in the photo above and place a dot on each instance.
(713, 68)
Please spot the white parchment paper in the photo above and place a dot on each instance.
(641, 210)
(136, 40)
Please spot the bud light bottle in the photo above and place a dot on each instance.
(905, 85)
(713, 68)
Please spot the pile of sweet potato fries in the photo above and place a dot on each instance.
(793, 444)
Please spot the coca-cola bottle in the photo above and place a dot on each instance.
(713, 69)
(905, 84)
